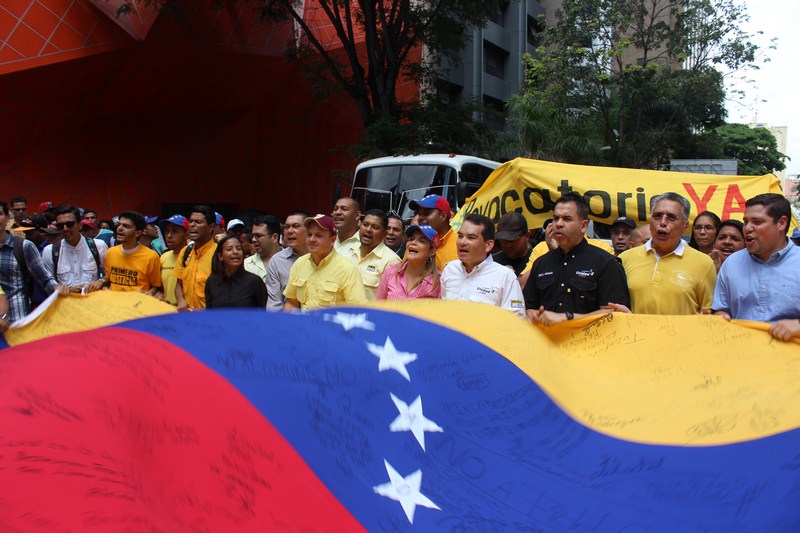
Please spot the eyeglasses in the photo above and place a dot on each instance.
(671, 219)
(708, 228)
(62, 225)
(257, 235)
(19, 209)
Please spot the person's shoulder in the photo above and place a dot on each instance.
(697, 255)
(147, 252)
(394, 267)
(738, 257)
(27, 245)
(633, 253)
(451, 267)
(250, 277)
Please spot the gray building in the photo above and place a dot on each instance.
(491, 67)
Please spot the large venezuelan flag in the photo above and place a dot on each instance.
(423, 416)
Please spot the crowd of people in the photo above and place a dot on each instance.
(556, 273)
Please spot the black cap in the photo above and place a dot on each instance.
(511, 227)
(625, 220)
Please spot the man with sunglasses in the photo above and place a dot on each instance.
(265, 238)
(19, 209)
(77, 261)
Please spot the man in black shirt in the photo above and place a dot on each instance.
(514, 238)
(576, 279)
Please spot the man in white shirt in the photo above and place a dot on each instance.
(76, 261)
(474, 276)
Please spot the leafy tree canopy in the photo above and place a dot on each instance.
(755, 149)
(629, 82)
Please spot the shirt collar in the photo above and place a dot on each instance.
(779, 255)
(648, 247)
(480, 266)
(354, 237)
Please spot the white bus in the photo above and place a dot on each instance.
(390, 183)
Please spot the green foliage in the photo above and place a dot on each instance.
(755, 148)
(629, 83)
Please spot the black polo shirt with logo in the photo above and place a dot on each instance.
(580, 281)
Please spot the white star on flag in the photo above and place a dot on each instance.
(404, 490)
(391, 359)
(349, 321)
(411, 419)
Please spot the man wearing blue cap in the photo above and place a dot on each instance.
(434, 211)
(174, 229)
(796, 236)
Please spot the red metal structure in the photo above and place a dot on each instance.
(146, 110)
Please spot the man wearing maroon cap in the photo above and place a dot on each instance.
(322, 277)
(434, 211)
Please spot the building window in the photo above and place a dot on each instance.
(536, 27)
(494, 60)
(494, 113)
(501, 16)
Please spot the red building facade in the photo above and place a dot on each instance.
(149, 111)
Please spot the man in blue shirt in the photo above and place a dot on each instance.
(762, 282)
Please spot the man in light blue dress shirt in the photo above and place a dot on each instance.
(762, 282)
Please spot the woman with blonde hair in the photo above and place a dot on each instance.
(416, 276)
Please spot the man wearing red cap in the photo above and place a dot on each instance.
(434, 211)
(322, 277)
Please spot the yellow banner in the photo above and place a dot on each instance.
(68, 314)
(531, 187)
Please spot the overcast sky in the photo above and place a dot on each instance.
(775, 98)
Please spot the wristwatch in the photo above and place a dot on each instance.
(570, 316)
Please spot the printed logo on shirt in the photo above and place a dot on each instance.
(372, 268)
(543, 274)
(681, 278)
(517, 304)
(486, 290)
(585, 273)
(124, 277)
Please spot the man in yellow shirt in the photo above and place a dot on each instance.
(322, 277)
(131, 266)
(346, 215)
(434, 211)
(174, 230)
(194, 261)
(666, 276)
(373, 256)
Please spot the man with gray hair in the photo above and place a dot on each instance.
(666, 276)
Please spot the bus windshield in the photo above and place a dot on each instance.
(392, 187)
